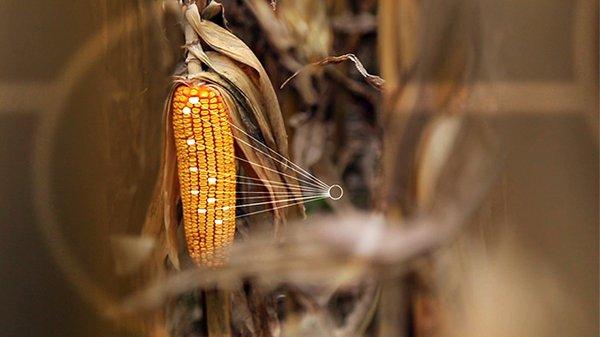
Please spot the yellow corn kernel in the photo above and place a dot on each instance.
(206, 170)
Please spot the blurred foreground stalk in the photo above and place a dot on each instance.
(427, 82)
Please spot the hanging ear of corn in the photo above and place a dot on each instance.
(206, 171)
(241, 86)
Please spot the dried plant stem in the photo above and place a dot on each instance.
(218, 313)
(194, 66)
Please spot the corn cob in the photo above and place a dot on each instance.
(206, 170)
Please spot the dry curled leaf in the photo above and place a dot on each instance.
(374, 80)
(225, 43)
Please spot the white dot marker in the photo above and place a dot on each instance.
(212, 181)
(193, 169)
(187, 111)
(218, 222)
(191, 141)
(226, 208)
(194, 100)
(202, 210)
(335, 192)
(211, 200)
(195, 192)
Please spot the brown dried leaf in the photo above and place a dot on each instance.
(251, 97)
(246, 81)
(263, 167)
(215, 10)
(374, 80)
(170, 190)
(163, 207)
(225, 43)
(259, 165)
(231, 72)
(310, 27)
(277, 33)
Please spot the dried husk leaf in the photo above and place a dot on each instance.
(249, 98)
(245, 90)
(278, 34)
(248, 83)
(170, 190)
(162, 212)
(238, 118)
(215, 10)
(225, 43)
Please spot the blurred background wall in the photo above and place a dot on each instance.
(542, 76)
(107, 56)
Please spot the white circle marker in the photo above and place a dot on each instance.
(335, 192)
